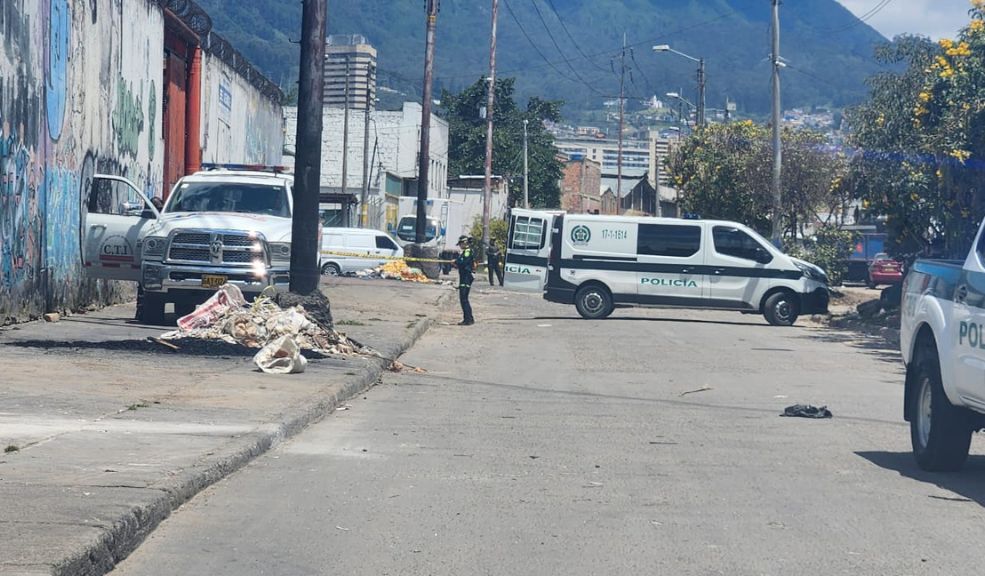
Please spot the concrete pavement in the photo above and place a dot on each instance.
(540, 443)
(106, 434)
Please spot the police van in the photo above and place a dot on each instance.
(598, 263)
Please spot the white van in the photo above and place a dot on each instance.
(347, 250)
(598, 263)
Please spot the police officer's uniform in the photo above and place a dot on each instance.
(465, 263)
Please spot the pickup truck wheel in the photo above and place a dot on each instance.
(594, 302)
(781, 309)
(939, 431)
(331, 269)
(152, 311)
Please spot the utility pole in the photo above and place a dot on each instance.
(490, 103)
(424, 161)
(363, 209)
(526, 169)
(345, 138)
(307, 172)
(777, 150)
(701, 93)
(622, 120)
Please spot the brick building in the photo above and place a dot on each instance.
(581, 183)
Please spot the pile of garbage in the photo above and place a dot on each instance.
(395, 270)
(280, 333)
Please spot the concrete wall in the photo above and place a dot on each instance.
(79, 94)
(239, 125)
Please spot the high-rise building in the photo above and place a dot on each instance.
(350, 72)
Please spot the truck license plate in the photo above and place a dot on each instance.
(213, 281)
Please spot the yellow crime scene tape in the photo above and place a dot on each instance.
(381, 257)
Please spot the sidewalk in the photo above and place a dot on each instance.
(103, 434)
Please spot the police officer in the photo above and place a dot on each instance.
(492, 262)
(465, 264)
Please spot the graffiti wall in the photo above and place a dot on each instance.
(77, 97)
(240, 125)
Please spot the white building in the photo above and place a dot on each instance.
(392, 152)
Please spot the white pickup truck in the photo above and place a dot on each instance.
(942, 341)
(217, 227)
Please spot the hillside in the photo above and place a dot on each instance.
(828, 50)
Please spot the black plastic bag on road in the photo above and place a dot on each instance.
(806, 411)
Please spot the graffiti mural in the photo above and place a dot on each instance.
(128, 119)
(57, 66)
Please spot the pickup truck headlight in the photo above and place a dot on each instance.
(280, 252)
(154, 246)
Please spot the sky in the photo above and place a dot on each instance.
(935, 18)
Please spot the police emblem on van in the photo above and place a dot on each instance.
(581, 235)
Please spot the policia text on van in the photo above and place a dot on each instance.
(600, 262)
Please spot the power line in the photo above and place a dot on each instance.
(554, 41)
(542, 55)
(863, 18)
(574, 42)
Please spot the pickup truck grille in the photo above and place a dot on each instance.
(216, 249)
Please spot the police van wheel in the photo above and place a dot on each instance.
(331, 269)
(781, 309)
(940, 432)
(594, 302)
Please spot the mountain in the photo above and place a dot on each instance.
(828, 51)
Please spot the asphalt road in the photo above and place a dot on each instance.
(649, 443)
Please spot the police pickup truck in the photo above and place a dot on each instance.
(229, 225)
(942, 341)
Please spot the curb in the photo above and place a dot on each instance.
(119, 540)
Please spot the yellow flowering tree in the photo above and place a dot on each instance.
(921, 141)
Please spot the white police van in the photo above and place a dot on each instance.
(598, 263)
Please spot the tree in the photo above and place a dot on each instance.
(467, 140)
(724, 171)
(921, 142)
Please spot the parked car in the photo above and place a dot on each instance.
(884, 270)
(348, 250)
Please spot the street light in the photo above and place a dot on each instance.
(682, 100)
(701, 78)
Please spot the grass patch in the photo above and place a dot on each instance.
(11, 448)
(141, 404)
(375, 319)
(349, 323)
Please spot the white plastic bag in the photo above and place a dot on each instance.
(281, 356)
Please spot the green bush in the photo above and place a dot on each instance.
(498, 233)
(829, 249)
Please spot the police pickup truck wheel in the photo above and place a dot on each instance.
(939, 431)
(594, 302)
(781, 309)
(152, 310)
(331, 269)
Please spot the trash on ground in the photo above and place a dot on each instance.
(227, 317)
(395, 270)
(163, 343)
(282, 356)
(806, 411)
(397, 366)
(702, 389)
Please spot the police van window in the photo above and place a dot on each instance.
(668, 240)
(735, 242)
(384, 243)
(528, 233)
(115, 198)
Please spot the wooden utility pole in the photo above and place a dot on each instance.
(526, 169)
(777, 145)
(363, 208)
(622, 122)
(424, 160)
(490, 103)
(345, 138)
(305, 242)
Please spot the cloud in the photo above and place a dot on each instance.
(934, 18)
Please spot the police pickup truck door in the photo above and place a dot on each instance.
(115, 216)
(968, 320)
(669, 264)
(528, 250)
